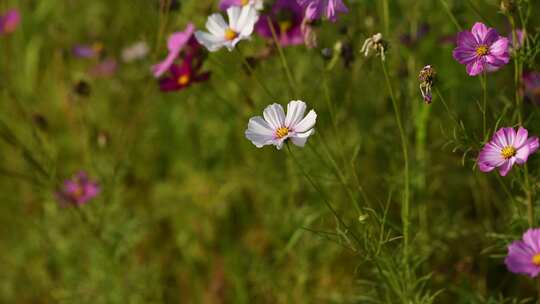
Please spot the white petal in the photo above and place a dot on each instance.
(247, 21)
(301, 138)
(211, 42)
(295, 113)
(274, 115)
(234, 13)
(216, 25)
(307, 123)
(259, 132)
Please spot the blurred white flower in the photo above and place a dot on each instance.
(135, 51)
(241, 23)
(274, 127)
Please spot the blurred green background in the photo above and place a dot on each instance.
(191, 212)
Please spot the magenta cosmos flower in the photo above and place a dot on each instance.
(286, 17)
(9, 21)
(505, 149)
(524, 255)
(531, 82)
(78, 190)
(316, 9)
(481, 49)
(176, 42)
(184, 75)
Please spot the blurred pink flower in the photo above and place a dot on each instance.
(531, 83)
(225, 4)
(317, 9)
(87, 50)
(176, 42)
(506, 148)
(482, 49)
(9, 21)
(524, 255)
(107, 67)
(184, 75)
(286, 17)
(78, 190)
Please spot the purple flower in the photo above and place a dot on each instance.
(286, 17)
(531, 82)
(78, 190)
(175, 44)
(316, 9)
(481, 49)
(524, 255)
(9, 21)
(87, 51)
(183, 76)
(505, 149)
(520, 37)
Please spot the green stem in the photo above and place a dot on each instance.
(323, 196)
(450, 14)
(483, 82)
(386, 17)
(406, 193)
(284, 64)
(252, 72)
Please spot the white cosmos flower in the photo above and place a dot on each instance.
(275, 127)
(241, 23)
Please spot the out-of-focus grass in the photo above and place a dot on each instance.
(192, 212)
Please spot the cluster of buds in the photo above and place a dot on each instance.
(376, 44)
(427, 78)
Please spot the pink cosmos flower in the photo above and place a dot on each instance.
(524, 255)
(286, 17)
(183, 76)
(505, 149)
(316, 9)
(175, 44)
(531, 82)
(78, 190)
(481, 49)
(9, 21)
(225, 4)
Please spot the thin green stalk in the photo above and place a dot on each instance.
(483, 82)
(405, 210)
(323, 196)
(284, 64)
(450, 14)
(386, 17)
(252, 72)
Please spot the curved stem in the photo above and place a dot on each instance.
(323, 196)
(284, 64)
(406, 193)
(252, 72)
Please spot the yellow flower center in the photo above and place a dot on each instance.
(536, 259)
(282, 132)
(183, 79)
(244, 2)
(482, 50)
(230, 34)
(508, 152)
(284, 26)
(79, 192)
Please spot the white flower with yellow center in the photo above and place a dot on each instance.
(220, 34)
(274, 128)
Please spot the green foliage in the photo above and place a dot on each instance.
(191, 212)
